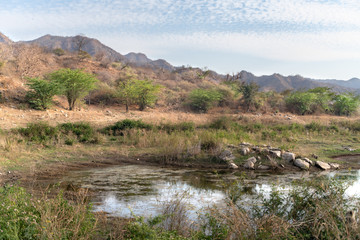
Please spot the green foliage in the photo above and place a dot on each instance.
(39, 132)
(19, 216)
(120, 126)
(249, 92)
(83, 131)
(141, 92)
(345, 104)
(59, 52)
(41, 92)
(301, 102)
(75, 84)
(201, 100)
(83, 55)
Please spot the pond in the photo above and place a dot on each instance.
(142, 190)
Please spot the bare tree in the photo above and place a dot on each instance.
(80, 41)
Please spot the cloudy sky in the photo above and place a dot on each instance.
(318, 39)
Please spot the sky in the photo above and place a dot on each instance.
(317, 39)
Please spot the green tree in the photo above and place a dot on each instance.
(249, 92)
(345, 104)
(201, 100)
(41, 92)
(301, 102)
(141, 92)
(75, 84)
(126, 91)
(146, 93)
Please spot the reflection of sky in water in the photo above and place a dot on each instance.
(142, 190)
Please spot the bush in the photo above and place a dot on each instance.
(41, 93)
(120, 126)
(59, 52)
(345, 104)
(39, 132)
(201, 100)
(83, 131)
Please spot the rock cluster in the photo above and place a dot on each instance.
(266, 157)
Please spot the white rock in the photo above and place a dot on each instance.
(301, 164)
(322, 165)
(308, 161)
(233, 165)
(252, 159)
(244, 151)
(288, 156)
(263, 167)
(249, 165)
(334, 165)
(276, 153)
(226, 156)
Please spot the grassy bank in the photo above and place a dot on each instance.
(37, 145)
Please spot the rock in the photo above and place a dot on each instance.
(244, 151)
(108, 113)
(250, 163)
(245, 144)
(256, 149)
(349, 149)
(226, 156)
(252, 159)
(263, 167)
(301, 164)
(233, 165)
(322, 165)
(334, 165)
(288, 156)
(275, 153)
(308, 161)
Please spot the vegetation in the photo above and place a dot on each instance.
(249, 92)
(41, 93)
(201, 100)
(59, 52)
(75, 84)
(141, 92)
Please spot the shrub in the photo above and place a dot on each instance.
(59, 52)
(201, 100)
(83, 131)
(39, 132)
(345, 104)
(41, 93)
(118, 127)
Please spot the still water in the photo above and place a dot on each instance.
(142, 190)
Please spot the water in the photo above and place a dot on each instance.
(143, 190)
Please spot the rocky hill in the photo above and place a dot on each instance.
(22, 55)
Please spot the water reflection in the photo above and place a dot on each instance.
(141, 190)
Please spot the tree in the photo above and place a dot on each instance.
(141, 92)
(41, 92)
(201, 100)
(345, 104)
(126, 91)
(249, 91)
(146, 92)
(75, 84)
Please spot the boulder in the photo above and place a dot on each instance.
(263, 167)
(288, 156)
(301, 164)
(334, 165)
(276, 153)
(244, 151)
(349, 149)
(226, 156)
(250, 163)
(232, 165)
(308, 161)
(322, 165)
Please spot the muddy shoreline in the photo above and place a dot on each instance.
(57, 170)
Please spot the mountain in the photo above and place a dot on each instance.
(352, 83)
(5, 39)
(95, 48)
(92, 46)
(279, 83)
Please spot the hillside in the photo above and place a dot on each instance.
(352, 83)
